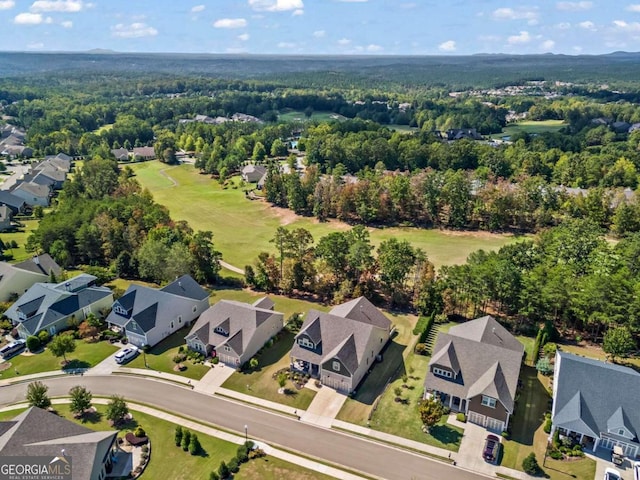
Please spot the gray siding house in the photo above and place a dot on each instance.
(149, 315)
(253, 173)
(474, 369)
(52, 307)
(16, 279)
(235, 331)
(33, 194)
(339, 347)
(597, 403)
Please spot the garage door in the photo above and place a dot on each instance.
(477, 418)
(495, 425)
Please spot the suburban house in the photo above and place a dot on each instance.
(61, 161)
(144, 153)
(16, 279)
(16, 151)
(253, 173)
(474, 369)
(148, 315)
(39, 433)
(121, 154)
(235, 331)
(32, 193)
(597, 403)
(341, 346)
(5, 218)
(52, 307)
(15, 203)
(460, 133)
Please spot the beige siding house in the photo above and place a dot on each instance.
(16, 279)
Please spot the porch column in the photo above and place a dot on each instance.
(581, 437)
(450, 401)
(595, 444)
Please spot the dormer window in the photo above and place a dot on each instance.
(442, 373)
(336, 366)
(221, 331)
(305, 342)
(119, 310)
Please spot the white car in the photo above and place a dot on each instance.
(636, 471)
(126, 354)
(612, 474)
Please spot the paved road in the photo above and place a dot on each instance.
(350, 451)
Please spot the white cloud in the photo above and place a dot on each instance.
(286, 45)
(48, 20)
(522, 37)
(297, 13)
(230, 23)
(622, 26)
(276, 5)
(634, 8)
(448, 46)
(198, 8)
(374, 48)
(547, 45)
(588, 25)
(35, 45)
(344, 41)
(134, 30)
(68, 6)
(520, 14)
(574, 6)
(7, 4)
(319, 33)
(67, 24)
(28, 19)
(244, 37)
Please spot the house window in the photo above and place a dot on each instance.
(171, 326)
(488, 401)
(195, 308)
(336, 366)
(305, 342)
(220, 330)
(621, 432)
(442, 373)
(179, 318)
(227, 348)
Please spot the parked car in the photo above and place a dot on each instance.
(13, 348)
(612, 474)
(126, 354)
(491, 449)
(617, 456)
(636, 471)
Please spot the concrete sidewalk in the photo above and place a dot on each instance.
(229, 437)
(258, 402)
(34, 376)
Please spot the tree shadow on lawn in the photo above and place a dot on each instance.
(76, 364)
(391, 368)
(531, 406)
(273, 354)
(174, 340)
(91, 417)
(445, 435)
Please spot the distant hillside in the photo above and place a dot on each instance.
(462, 71)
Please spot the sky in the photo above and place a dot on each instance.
(343, 27)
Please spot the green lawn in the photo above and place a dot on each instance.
(596, 352)
(168, 461)
(20, 235)
(260, 383)
(529, 343)
(527, 432)
(299, 116)
(242, 228)
(86, 355)
(531, 126)
(161, 356)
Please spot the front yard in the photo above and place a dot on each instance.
(261, 383)
(161, 356)
(527, 432)
(86, 355)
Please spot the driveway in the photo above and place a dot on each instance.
(324, 407)
(364, 455)
(17, 171)
(213, 379)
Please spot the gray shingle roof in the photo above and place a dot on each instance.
(8, 198)
(361, 310)
(43, 264)
(594, 397)
(488, 358)
(34, 189)
(185, 286)
(264, 302)
(36, 432)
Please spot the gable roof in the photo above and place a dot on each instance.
(240, 321)
(187, 287)
(264, 302)
(8, 198)
(608, 395)
(487, 358)
(342, 333)
(36, 432)
(42, 264)
(41, 191)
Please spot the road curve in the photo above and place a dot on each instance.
(353, 452)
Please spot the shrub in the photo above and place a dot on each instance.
(223, 470)
(233, 465)
(461, 417)
(530, 464)
(44, 337)
(556, 454)
(186, 439)
(253, 363)
(505, 434)
(548, 424)
(544, 366)
(194, 445)
(179, 358)
(243, 454)
(33, 343)
(550, 349)
(422, 349)
(556, 439)
(145, 448)
(178, 435)
(214, 476)
(139, 432)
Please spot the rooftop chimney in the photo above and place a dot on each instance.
(36, 260)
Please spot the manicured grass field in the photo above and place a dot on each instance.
(242, 228)
(299, 116)
(86, 355)
(20, 235)
(260, 383)
(597, 353)
(532, 127)
(288, 306)
(161, 356)
(527, 432)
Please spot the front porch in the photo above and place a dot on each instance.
(588, 443)
(304, 367)
(455, 404)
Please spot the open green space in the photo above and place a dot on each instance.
(403, 128)
(19, 235)
(261, 382)
(160, 357)
(299, 116)
(531, 127)
(242, 228)
(527, 432)
(593, 351)
(86, 355)
(103, 128)
(529, 343)
(171, 462)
